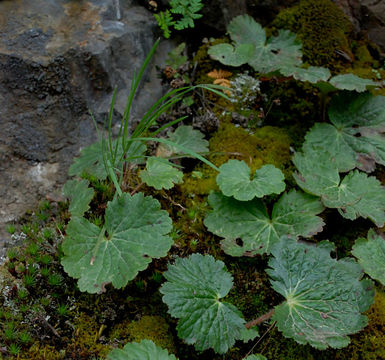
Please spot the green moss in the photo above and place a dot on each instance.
(87, 334)
(267, 145)
(154, 328)
(323, 29)
(369, 344)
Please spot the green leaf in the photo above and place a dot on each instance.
(248, 334)
(312, 74)
(256, 357)
(232, 56)
(234, 180)
(80, 195)
(324, 297)
(371, 255)
(356, 136)
(91, 158)
(250, 46)
(352, 82)
(189, 138)
(279, 52)
(145, 350)
(176, 57)
(134, 232)
(356, 195)
(244, 29)
(294, 214)
(188, 10)
(165, 21)
(192, 292)
(160, 174)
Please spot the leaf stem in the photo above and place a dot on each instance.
(260, 320)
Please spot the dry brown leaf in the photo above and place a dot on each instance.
(222, 82)
(219, 74)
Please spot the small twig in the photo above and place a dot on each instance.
(260, 320)
(193, 73)
(270, 107)
(259, 340)
(136, 188)
(173, 202)
(48, 325)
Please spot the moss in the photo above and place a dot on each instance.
(87, 334)
(323, 30)
(41, 352)
(154, 328)
(84, 344)
(369, 344)
(267, 145)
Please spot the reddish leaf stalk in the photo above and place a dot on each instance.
(260, 320)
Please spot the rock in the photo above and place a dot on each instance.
(218, 13)
(58, 60)
(368, 16)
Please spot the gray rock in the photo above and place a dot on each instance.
(218, 13)
(58, 60)
(368, 16)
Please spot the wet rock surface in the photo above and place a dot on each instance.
(58, 60)
(368, 17)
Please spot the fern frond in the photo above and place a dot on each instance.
(165, 21)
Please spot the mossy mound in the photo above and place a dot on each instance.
(323, 30)
(369, 344)
(153, 328)
(266, 145)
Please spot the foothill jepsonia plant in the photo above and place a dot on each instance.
(323, 298)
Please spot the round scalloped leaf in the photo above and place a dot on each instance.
(189, 138)
(160, 174)
(231, 55)
(192, 292)
(352, 82)
(371, 255)
(255, 357)
(250, 46)
(248, 334)
(324, 297)
(134, 232)
(312, 74)
(249, 230)
(356, 136)
(279, 52)
(80, 195)
(328, 138)
(91, 160)
(243, 29)
(145, 350)
(356, 195)
(234, 180)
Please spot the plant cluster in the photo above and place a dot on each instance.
(181, 15)
(33, 293)
(279, 54)
(135, 229)
(108, 241)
